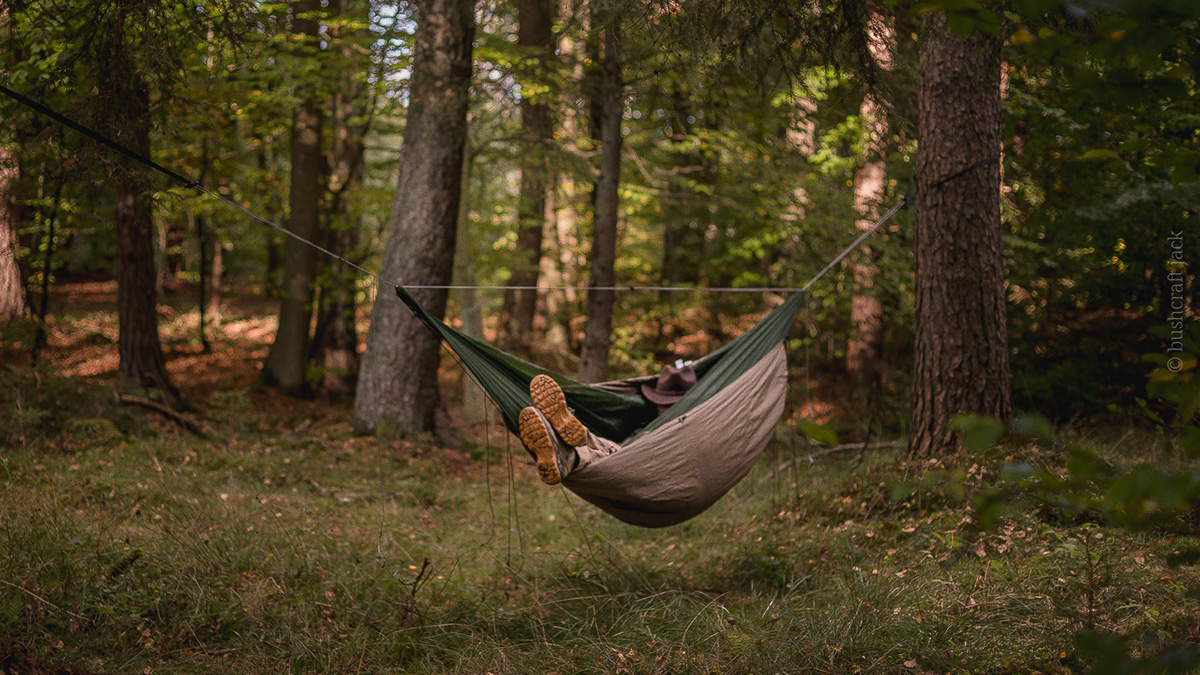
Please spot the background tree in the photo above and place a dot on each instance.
(864, 350)
(961, 335)
(535, 37)
(398, 385)
(124, 97)
(335, 339)
(13, 301)
(606, 90)
(287, 363)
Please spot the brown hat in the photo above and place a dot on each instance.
(672, 384)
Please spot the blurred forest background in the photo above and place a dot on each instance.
(701, 145)
(753, 140)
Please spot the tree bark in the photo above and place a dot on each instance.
(961, 338)
(336, 345)
(123, 97)
(608, 102)
(536, 38)
(141, 356)
(864, 351)
(216, 276)
(397, 387)
(474, 402)
(13, 300)
(286, 366)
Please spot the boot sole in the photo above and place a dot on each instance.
(537, 439)
(549, 398)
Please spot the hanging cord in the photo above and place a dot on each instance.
(853, 245)
(95, 135)
(195, 184)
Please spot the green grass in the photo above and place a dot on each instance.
(293, 545)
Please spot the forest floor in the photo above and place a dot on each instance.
(285, 541)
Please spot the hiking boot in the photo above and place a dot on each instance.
(535, 434)
(549, 398)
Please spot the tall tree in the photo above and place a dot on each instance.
(124, 99)
(536, 39)
(864, 350)
(13, 302)
(961, 337)
(336, 339)
(287, 363)
(606, 90)
(398, 383)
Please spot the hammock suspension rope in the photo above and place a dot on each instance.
(195, 185)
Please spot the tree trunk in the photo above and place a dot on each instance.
(961, 339)
(13, 300)
(865, 349)
(686, 211)
(337, 344)
(608, 102)
(397, 387)
(123, 97)
(536, 39)
(474, 402)
(141, 356)
(286, 366)
(864, 353)
(202, 301)
(216, 276)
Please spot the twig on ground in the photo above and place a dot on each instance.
(45, 601)
(191, 425)
(845, 447)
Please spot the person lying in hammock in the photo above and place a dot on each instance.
(562, 444)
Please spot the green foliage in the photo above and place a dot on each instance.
(818, 433)
(48, 411)
(1158, 494)
(1100, 90)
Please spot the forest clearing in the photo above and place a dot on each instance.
(285, 541)
(573, 336)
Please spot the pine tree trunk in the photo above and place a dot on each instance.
(13, 300)
(961, 337)
(608, 103)
(142, 362)
(397, 387)
(286, 366)
(123, 97)
(865, 349)
(535, 37)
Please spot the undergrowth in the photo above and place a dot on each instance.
(130, 545)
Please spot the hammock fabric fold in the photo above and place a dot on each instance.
(670, 467)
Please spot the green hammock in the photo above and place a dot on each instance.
(612, 409)
(671, 466)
